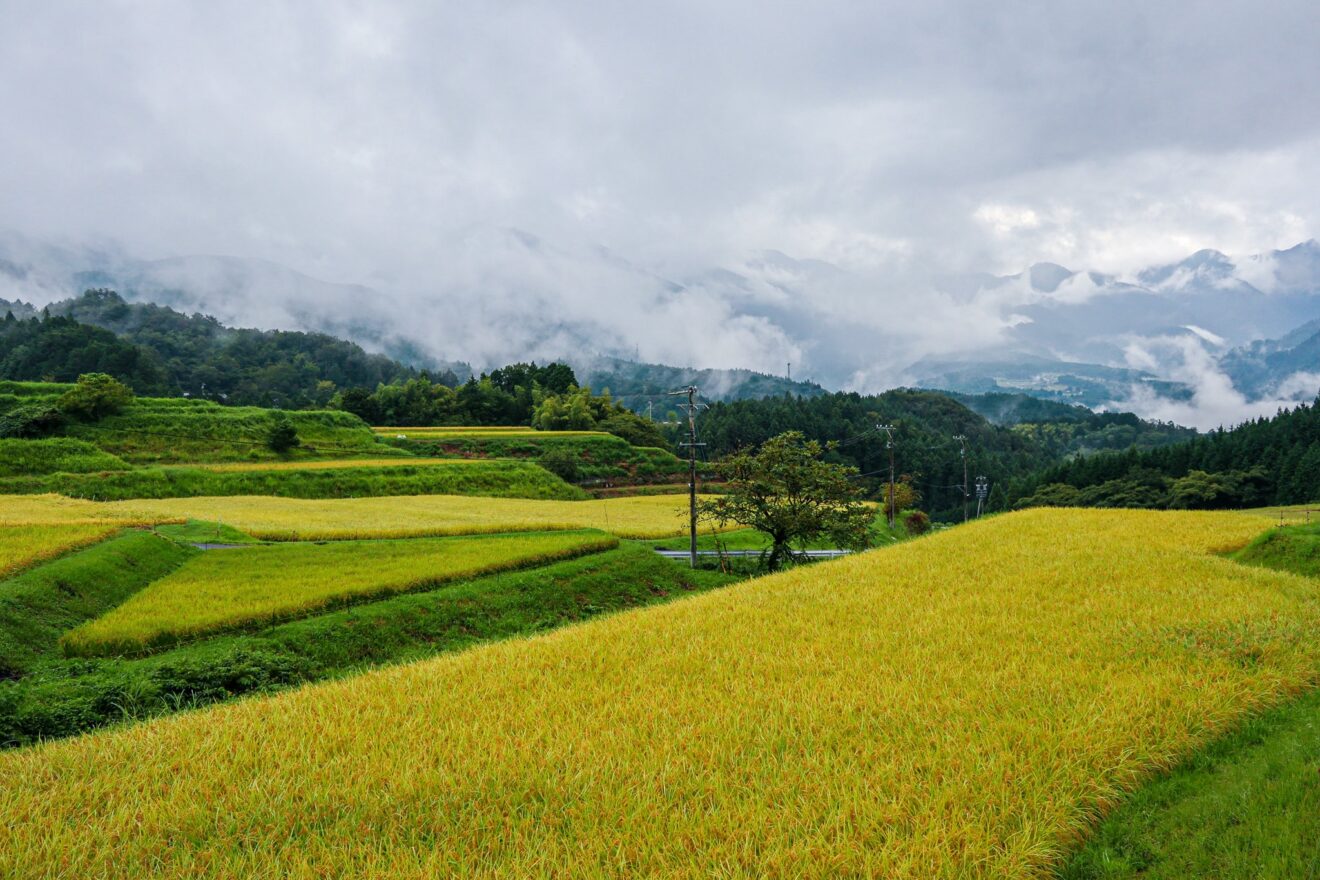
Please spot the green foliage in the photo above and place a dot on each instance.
(65, 697)
(95, 396)
(916, 522)
(597, 457)
(38, 606)
(580, 410)
(31, 420)
(282, 436)
(197, 355)
(61, 349)
(785, 491)
(1263, 462)
(563, 463)
(28, 458)
(505, 479)
(508, 396)
(924, 422)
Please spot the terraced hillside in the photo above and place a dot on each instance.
(585, 455)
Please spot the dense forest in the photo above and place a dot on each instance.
(1266, 461)
(160, 351)
(1064, 429)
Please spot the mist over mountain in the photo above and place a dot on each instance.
(1202, 341)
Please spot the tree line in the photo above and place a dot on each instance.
(1266, 461)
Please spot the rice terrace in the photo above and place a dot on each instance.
(711, 440)
(418, 685)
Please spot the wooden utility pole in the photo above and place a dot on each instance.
(691, 392)
(962, 453)
(889, 444)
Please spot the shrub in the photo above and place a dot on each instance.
(563, 463)
(916, 522)
(95, 396)
(30, 421)
(282, 435)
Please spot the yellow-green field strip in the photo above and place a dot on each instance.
(22, 546)
(290, 519)
(961, 706)
(227, 589)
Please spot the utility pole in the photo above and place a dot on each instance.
(889, 444)
(649, 404)
(692, 444)
(790, 370)
(982, 493)
(962, 453)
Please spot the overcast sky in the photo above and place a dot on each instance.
(381, 143)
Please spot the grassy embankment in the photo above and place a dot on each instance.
(59, 697)
(313, 479)
(1246, 806)
(597, 455)
(249, 586)
(779, 727)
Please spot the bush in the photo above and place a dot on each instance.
(282, 436)
(563, 463)
(916, 522)
(95, 396)
(31, 421)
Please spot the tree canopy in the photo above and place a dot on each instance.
(786, 491)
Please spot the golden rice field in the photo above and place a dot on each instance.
(960, 706)
(331, 464)
(224, 589)
(284, 519)
(34, 510)
(24, 545)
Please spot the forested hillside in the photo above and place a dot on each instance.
(1267, 461)
(161, 351)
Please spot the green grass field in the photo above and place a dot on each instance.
(1246, 806)
(242, 587)
(27, 458)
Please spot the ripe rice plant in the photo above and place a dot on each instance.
(24, 545)
(293, 519)
(228, 589)
(964, 705)
(35, 510)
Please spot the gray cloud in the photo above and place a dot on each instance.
(394, 144)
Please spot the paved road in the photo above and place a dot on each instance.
(811, 554)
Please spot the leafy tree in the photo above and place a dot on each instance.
(282, 436)
(95, 396)
(788, 493)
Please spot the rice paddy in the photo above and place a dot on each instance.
(964, 705)
(25, 545)
(289, 519)
(500, 432)
(225, 589)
